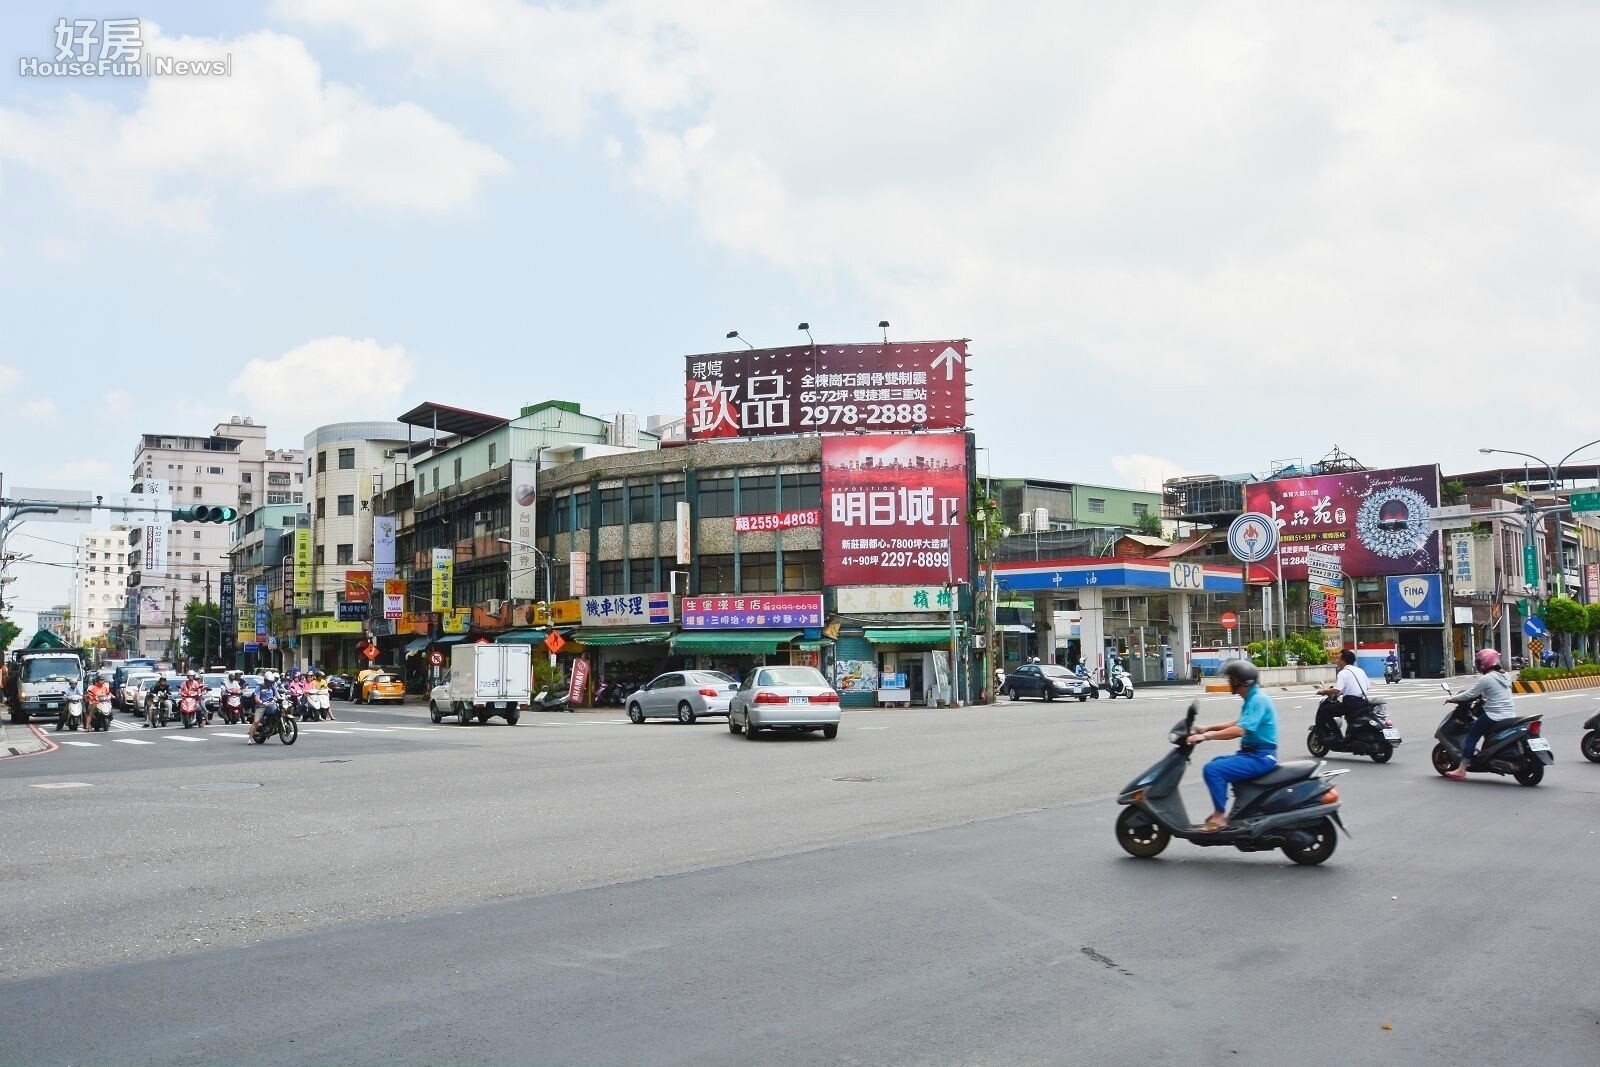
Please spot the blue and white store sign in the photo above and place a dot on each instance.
(1415, 600)
(1153, 575)
(635, 609)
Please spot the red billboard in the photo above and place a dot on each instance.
(763, 392)
(1377, 522)
(894, 509)
(777, 520)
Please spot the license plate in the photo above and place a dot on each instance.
(1391, 733)
(500, 705)
(799, 700)
(1538, 744)
(52, 707)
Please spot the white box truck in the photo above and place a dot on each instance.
(490, 680)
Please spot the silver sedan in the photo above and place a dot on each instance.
(784, 698)
(683, 695)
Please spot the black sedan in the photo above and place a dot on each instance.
(1044, 680)
(338, 687)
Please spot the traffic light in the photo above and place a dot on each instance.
(205, 513)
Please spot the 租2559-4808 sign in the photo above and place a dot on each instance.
(769, 391)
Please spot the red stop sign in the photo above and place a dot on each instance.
(1230, 621)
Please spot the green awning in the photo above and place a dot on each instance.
(606, 636)
(746, 642)
(526, 637)
(413, 647)
(911, 635)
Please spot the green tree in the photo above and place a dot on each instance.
(202, 628)
(1150, 525)
(9, 632)
(1566, 617)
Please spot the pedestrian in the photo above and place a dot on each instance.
(999, 677)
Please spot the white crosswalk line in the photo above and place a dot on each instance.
(82, 744)
(131, 741)
(184, 737)
(320, 730)
(371, 729)
(426, 729)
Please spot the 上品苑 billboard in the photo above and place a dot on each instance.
(817, 388)
(894, 509)
(1377, 522)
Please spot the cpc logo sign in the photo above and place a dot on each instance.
(1188, 576)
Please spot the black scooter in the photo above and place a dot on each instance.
(1511, 747)
(1591, 740)
(1391, 673)
(1294, 807)
(1370, 733)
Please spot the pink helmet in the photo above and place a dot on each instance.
(1487, 660)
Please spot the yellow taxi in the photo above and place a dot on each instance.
(376, 685)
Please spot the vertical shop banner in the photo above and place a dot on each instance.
(1461, 571)
(894, 509)
(394, 598)
(244, 625)
(1378, 522)
(225, 605)
(383, 531)
(524, 507)
(444, 580)
(578, 574)
(358, 587)
(816, 388)
(1591, 582)
(302, 569)
(263, 613)
(681, 518)
(155, 531)
(578, 687)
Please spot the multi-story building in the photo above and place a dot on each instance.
(346, 465)
(262, 538)
(1035, 506)
(55, 620)
(231, 467)
(101, 586)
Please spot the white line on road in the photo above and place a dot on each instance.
(320, 730)
(58, 785)
(371, 729)
(185, 737)
(426, 729)
(81, 744)
(131, 741)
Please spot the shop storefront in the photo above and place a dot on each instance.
(321, 638)
(735, 633)
(898, 650)
(625, 637)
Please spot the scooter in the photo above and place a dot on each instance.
(277, 719)
(1391, 673)
(1094, 690)
(1294, 807)
(1511, 747)
(611, 695)
(548, 701)
(232, 708)
(321, 704)
(100, 717)
(1591, 740)
(158, 709)
(71, 711)
(1369, 733)
(189, 711)
(1121, 684)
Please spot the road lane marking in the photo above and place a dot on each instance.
(320, 730)
(370, 729)
(426, 729)
(58, 785)
(83, 744)
(182, 737)
(131, 741)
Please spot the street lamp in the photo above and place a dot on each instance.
(549, 582)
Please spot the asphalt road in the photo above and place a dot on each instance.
(933, 887)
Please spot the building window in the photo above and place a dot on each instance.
(197, 492)
(642, 576)
(610, 507)
(322, 555)
(642, 503)
(671, 497)
(344, 555)
(435, 479)
(299, 498)
(716, 574)
(802, 492)
(196, 557)
(802, 571)
(492, 450)
(758, 572)
(457, 466)
(580, 511)
(758, 495)
(245, 477)
(197, 535)
(322, 508)
(610, 577)
(347, 504)
(560, 514)
(716, 498)
(347, 459)
(1097, 505)
(322, 462)
(1141, 510)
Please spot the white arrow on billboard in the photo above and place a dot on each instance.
(949, 357)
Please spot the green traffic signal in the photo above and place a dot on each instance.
(205, 513)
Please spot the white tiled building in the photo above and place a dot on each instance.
(101, 586)
(232, 467)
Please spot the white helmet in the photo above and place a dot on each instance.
(269, 677)
(192, 675)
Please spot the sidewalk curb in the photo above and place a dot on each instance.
(33, 743)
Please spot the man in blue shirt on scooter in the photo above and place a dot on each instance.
(1257, 730)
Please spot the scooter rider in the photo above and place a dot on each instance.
(233, 688)
(1494, 686)
(67, 698)
(158, 692)
(319, 682)
(99, 692)
(193, 687)
(1346, 696)
(1391, 665)
(266, 697)
(1257, 730)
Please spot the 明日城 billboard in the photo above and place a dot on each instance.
(1377, 522)
(894, 509)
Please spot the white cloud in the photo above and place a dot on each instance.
(9, 376)
(41, 408)
(330, 379)
(276, 125)
(1326, 209)
(1139, 471)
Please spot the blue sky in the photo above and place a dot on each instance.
(1183, 238)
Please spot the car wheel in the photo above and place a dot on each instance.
(830, 731)
(466, 714)
(686, 714)
(1049, 695)
(733, 725)
(433, 713)
(1012, 692)
(635, 714)
(750, 731)
(511, 720)
(1082, 697)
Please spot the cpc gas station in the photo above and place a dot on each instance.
(1141, 609)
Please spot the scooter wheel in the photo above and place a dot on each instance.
(1531, 772)
(1313, 844)
(1442, 760)
(1385, 752)
(1591, 746)
(1140, 835)
(1316, 745)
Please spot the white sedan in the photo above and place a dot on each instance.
(683, 695)
(784, 698)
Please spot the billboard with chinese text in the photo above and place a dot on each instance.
(524, 582)
(817, 388)
(1377, 522)
(757, 611)
(894, 509)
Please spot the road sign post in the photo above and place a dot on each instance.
(1584, 503)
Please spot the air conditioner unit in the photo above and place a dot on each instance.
(477, 516)
(494, 607)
